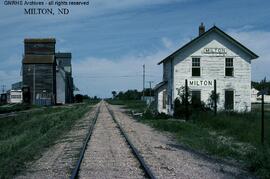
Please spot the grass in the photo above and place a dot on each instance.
(231, 136)
(135, 105)
(14, 107)
(25, 137)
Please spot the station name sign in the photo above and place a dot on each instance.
(200, 82)
(215, 51)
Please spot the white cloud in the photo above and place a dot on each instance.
(167, 42)
(129, 3)
(258, 42)
(101, 76)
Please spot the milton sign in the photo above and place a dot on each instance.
(215, 51)
(200, 82)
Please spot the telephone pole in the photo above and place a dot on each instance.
(3, 88)
(143, 80)
(150, 84)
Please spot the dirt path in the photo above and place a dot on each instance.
(167, 161)
(58, 161)
(107, 154)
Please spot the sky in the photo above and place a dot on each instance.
(110, 40)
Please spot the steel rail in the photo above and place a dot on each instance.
(134, 150)
(75, 171)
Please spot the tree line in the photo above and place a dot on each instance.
(263, 84)
(132, 94)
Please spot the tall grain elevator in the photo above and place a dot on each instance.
(39, 70)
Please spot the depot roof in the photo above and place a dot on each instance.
(220, 32)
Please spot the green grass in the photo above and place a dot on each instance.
(14, 107)
(25, 137)
(135, 105)
(231, 136)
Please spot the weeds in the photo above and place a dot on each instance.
(25, 137)
(233, 136)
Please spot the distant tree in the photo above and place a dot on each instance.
(114, 93)
(86, 97)
(149, 92)
(261, 85)
(129, 95)
(78, 98)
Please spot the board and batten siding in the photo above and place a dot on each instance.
(40, 78)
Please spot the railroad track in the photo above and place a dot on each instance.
(143, 165)
(75, 171)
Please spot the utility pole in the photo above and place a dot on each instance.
(150, 84)
(143, 80)
(186, 100)
(262, 123)
(3, 88)
(215, 96)
(34, 84)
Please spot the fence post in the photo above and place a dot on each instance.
(186, 99)
(215, 96)
(262, 130)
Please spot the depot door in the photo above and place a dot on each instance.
(229, 99)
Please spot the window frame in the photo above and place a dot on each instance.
(195, 66)
(229, 67)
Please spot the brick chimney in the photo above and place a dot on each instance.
(201, 29)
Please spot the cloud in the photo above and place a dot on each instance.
(130, 3)
(258, 42)
(167, 42)
(100, 76)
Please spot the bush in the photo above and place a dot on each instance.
(260, 162)
(162, 116)
(148, 114)
(179, 109)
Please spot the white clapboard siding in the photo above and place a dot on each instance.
(212, 68)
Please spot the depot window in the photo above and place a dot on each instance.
(229, 67)
(196, 67)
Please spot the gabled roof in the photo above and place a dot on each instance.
(160, 85)
(219, 31)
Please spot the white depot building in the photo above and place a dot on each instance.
(213, 55)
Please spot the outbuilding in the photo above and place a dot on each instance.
(14, 96)
(213, 55)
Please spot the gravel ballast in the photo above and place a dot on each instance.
(166, 159)
(108, 155)
(58, 160)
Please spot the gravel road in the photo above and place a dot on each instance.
(168, 161)
(107, 154)
(58, 161)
